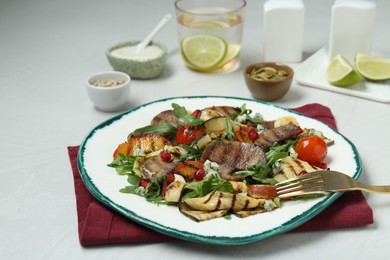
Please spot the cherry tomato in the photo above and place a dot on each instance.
(311, 149)
(197, 113)
(143, 183)
(187, 134)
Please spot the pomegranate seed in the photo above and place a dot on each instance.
(143, 183)
(321, 165)
(253, 135)
(197, 113)
(200, 174)
(298, 132)
(302, 173)
(165, 156)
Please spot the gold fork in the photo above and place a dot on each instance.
(323, 182)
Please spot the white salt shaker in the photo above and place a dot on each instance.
(283, 30)
(352, 28)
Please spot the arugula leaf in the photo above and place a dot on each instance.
(229, 130)
(257, 172)
(279, 151)
(184, 118)
(130, 190)
(123, 164)
(162, 128)
(194, 153)
(205, 186)
(133, 179)
(245, 115)
(153, 190)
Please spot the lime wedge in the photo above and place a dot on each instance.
(203, 51)
(341, 73)
(373, 67)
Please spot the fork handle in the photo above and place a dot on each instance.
(376, 189)
(356, 185)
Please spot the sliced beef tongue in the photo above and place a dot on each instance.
(167, 116)
(154, 167)
(233, 156)
(268, 137)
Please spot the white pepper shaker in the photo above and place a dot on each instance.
(283, 30)
(352, 28)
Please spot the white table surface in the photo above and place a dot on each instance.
(49, 48)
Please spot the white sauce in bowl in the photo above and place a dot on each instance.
(150, 52)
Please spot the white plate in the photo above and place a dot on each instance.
(104, 183)
(312, 72)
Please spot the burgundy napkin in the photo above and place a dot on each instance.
(98, 225)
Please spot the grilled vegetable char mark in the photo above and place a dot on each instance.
(199, 215)
(290, 168)
(231, 112)
(218, 200)
(232, 156)
(268, 137)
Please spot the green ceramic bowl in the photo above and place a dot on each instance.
(147, 68)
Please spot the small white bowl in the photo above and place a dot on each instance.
(109, 98)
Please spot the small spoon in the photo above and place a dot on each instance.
(139, 47)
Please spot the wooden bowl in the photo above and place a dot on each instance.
(268, 88)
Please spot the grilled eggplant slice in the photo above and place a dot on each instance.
(174, 189)
(200, 215)
(292, 167)
(217, 200)
(228, 111)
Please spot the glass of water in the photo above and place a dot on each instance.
(210, 33)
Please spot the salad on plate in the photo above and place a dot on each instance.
(216, 161)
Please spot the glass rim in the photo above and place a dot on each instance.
(210, 14)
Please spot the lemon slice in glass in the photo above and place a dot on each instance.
(373, 67)
(341, 73)
(232, 52)
(209, 25)
(203, 51)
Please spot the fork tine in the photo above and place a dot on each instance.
(301, 187)
(297, 181)
(302, 192)
(310, 183)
